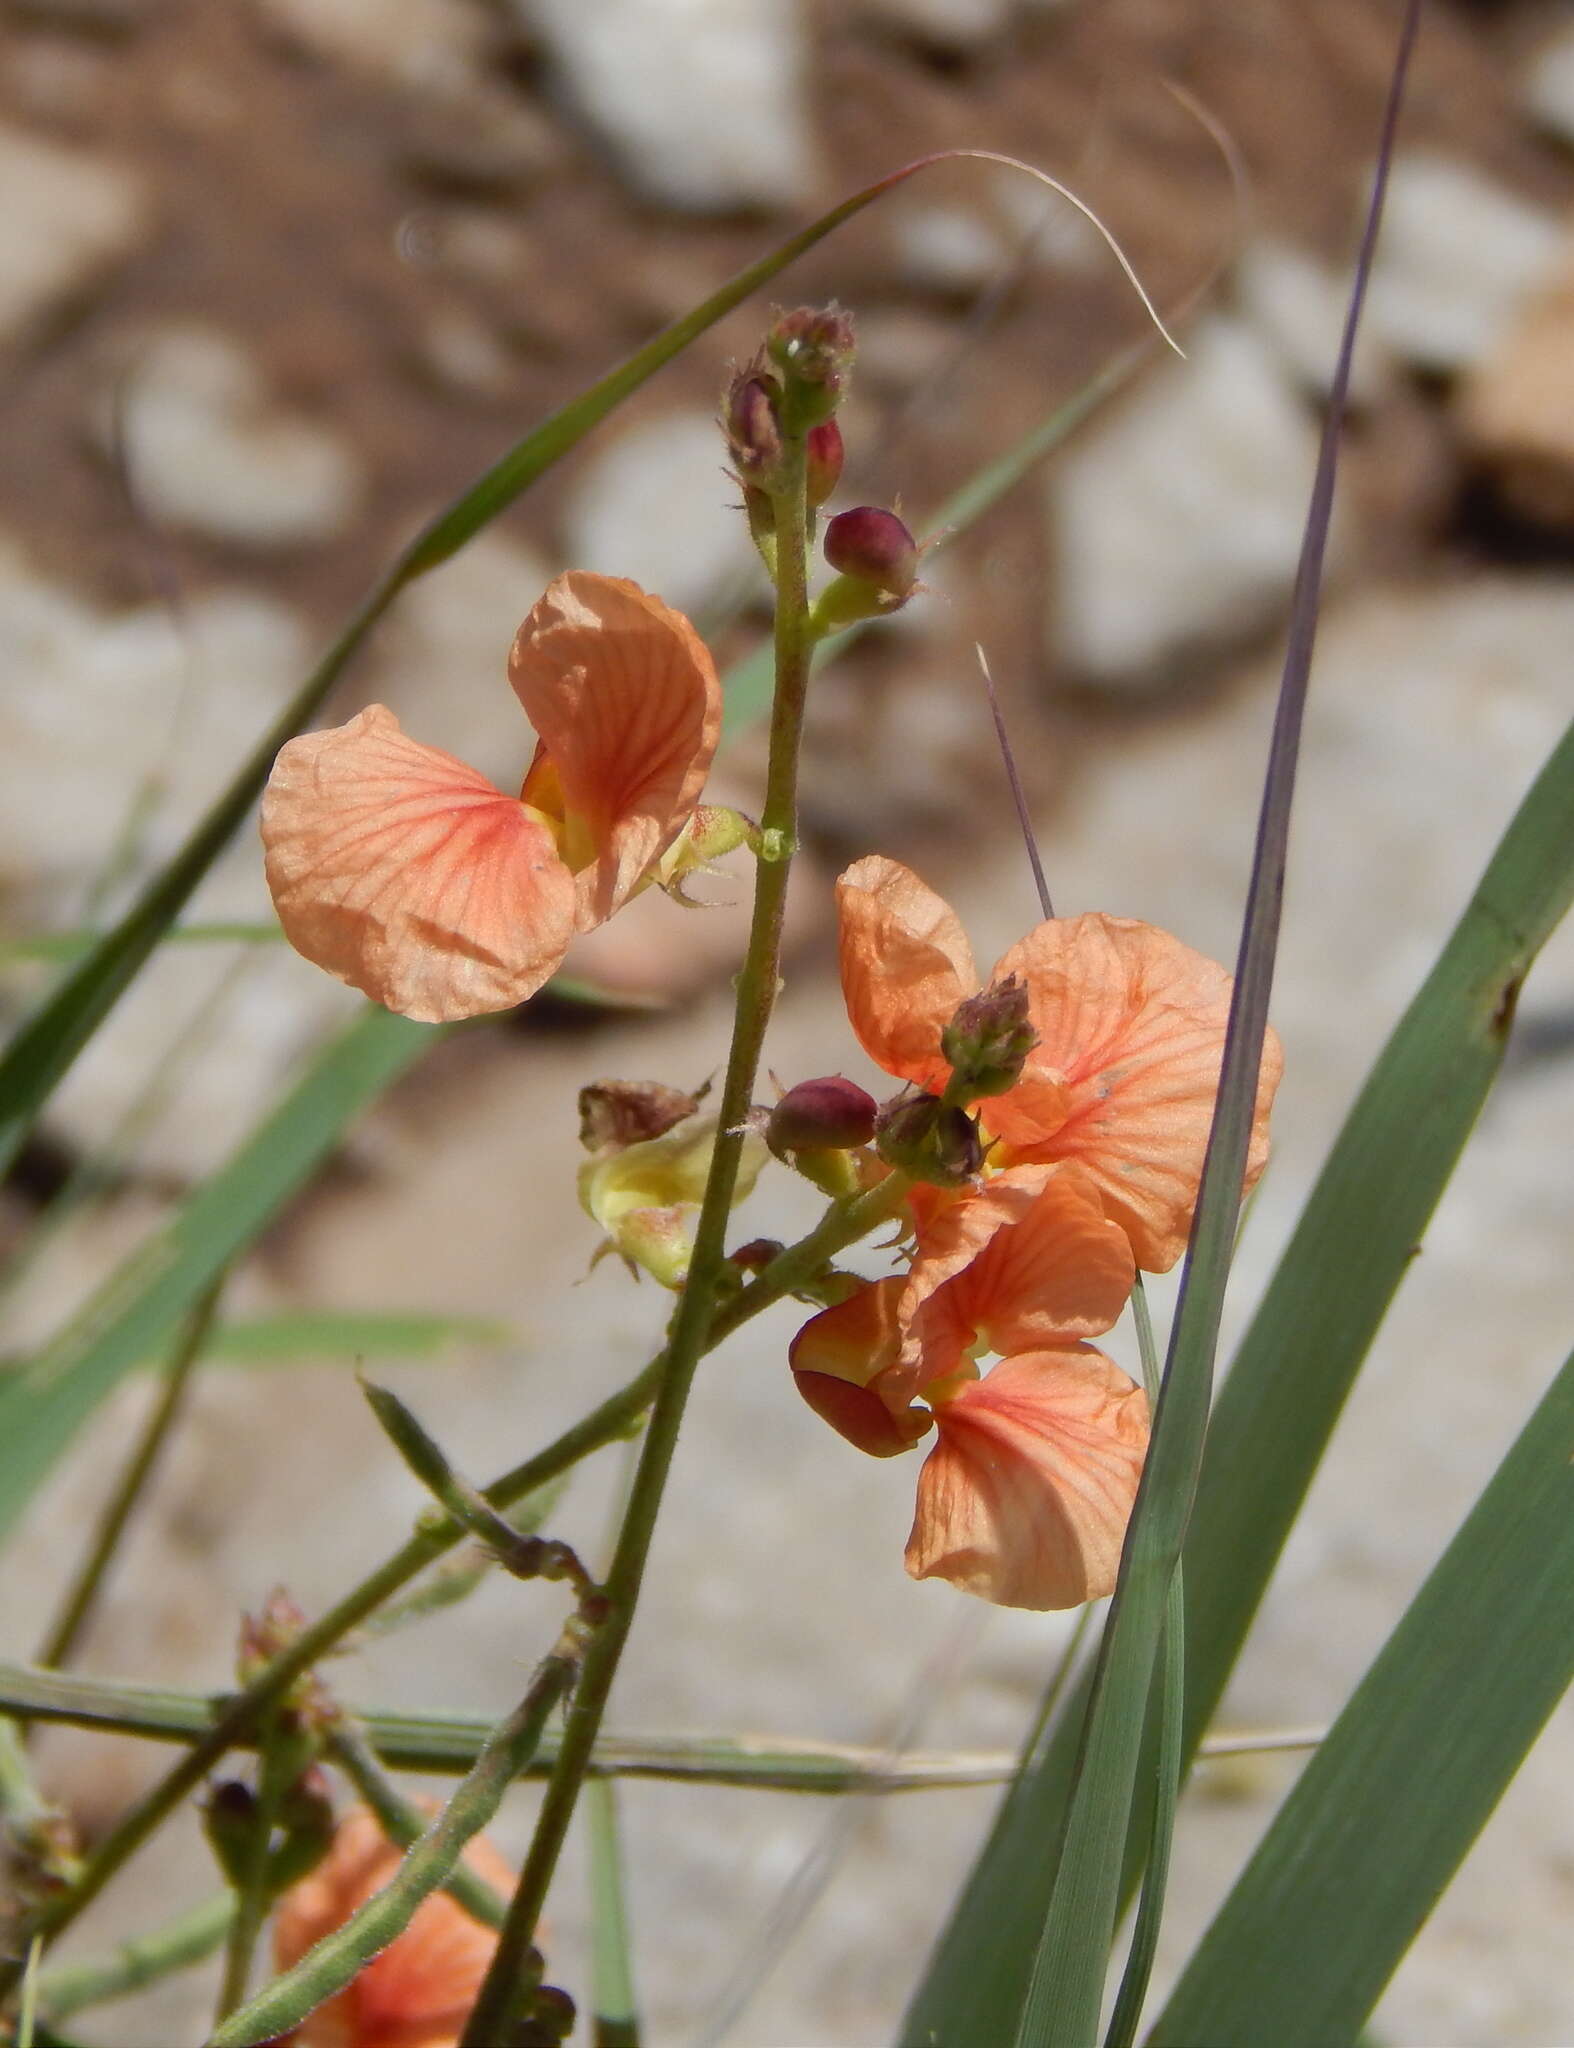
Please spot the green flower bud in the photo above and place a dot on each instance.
(988, 1040)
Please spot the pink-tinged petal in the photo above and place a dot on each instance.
(906, 965)
(854, 1341)
(1025, 1498)
(624, 696)
(405, 873)
(840, 1361)
(1131, 1023)
(418, 1992)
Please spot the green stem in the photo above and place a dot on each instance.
(329, 1966)
(279, 1764)
(616, 2019)
(507, 1982)
(403, 1822)
(83, 1595)
(236, 1725)
(143, 1960)
(1169, 1683)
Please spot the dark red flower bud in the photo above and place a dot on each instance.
(753, 427)
(831, 1114)
(825, 452)
(989, 1038)
(875, 547)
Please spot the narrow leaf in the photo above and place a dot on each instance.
(43, 1404)
(1064, 1960)
(1387, 1809)
(616, 2019)
(316, 1334)
(47, 1045)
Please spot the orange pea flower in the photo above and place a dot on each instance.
(408, 875)
(1025, 1496)
(1130, 1027)
(418, 1992)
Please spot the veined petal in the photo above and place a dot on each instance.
(1025, 1498)
(1058, 1271)
(418, 1992)
(405, 873)
(624, 695)
(1131, 1023)
(906, 964)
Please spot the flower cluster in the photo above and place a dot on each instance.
(1050, 1134)
(1090, 1150)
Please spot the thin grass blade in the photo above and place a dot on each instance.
(616, 2014)
(1046, 1982)
(43, 1404)
(1387, 1809)
(48, 1043)
(1295, 1367)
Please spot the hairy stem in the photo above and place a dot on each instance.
(843, 1224)
(404, 1823)
(329, 1966)
(507, 1984)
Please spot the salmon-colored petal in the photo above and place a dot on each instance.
(418, 1992)
(1131, 1024)
(906, 964)
(854, 1341)
(1025, 1498)
(1061, 1271)
(952, 1231)
(625, 698)
(406, 874)
(840, 1361)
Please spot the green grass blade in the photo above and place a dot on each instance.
(1046, 1984)
(44, 1403)
(47, 1044)
(615, 2021)
(1387, 1809)
(318, 1334)
(1170, 1710)
(1277, 1409)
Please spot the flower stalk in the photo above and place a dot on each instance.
(507, 1985)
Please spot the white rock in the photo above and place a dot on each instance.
(948, 248)
(1548, 85)
(443, 658)
(700, 102)
(954, 24)
(1515, 407)
(68, 218)
(209, 450)
(1458, 256)
(657, 505)
(119, 732)
(1298, 304)
(104, 707)
(1176, 526)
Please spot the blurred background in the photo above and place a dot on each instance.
(280, 277)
